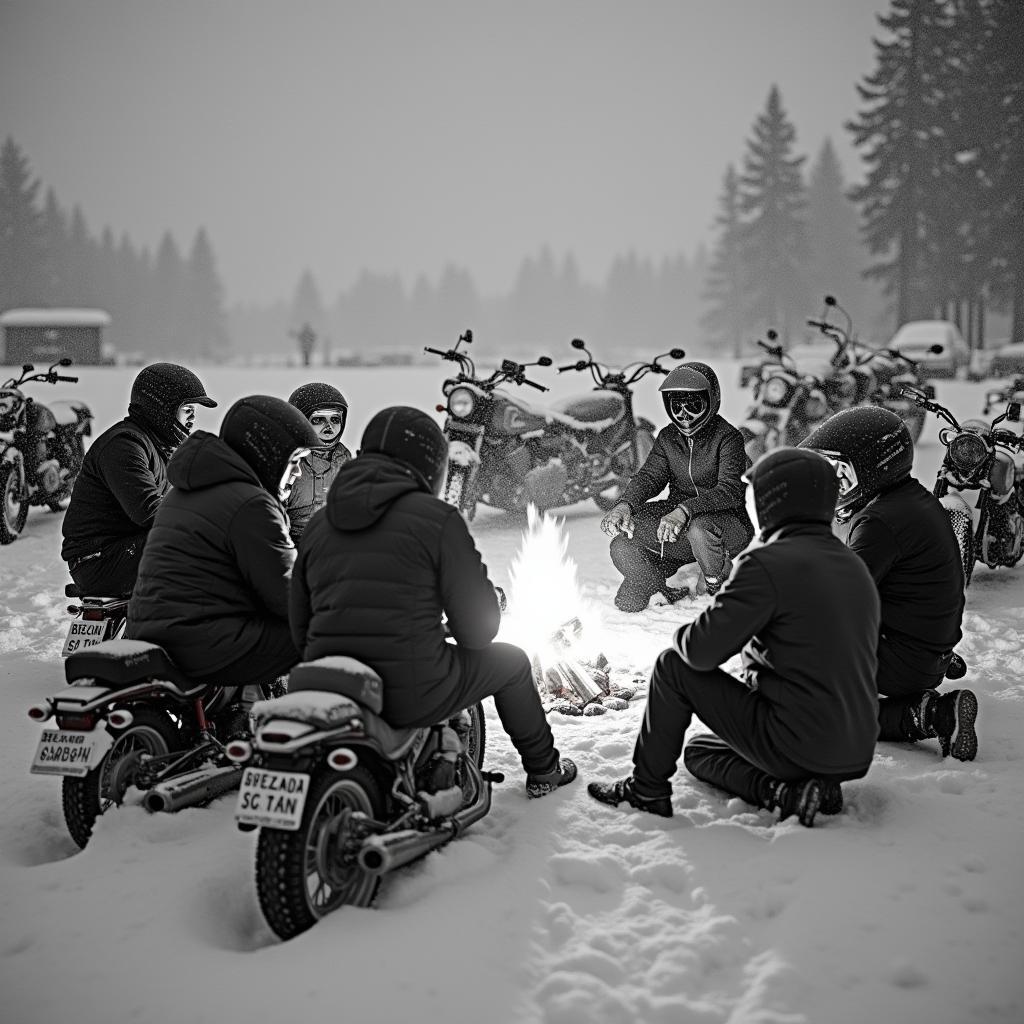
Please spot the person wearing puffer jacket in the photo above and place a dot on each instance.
(213, 582)
(326, 409)
(701, 458)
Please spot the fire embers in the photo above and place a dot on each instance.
(578, 686)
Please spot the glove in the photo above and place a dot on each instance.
(618, 520)
(672, 525)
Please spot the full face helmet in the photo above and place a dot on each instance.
(692, 396)
(411, 437)
(870, 449)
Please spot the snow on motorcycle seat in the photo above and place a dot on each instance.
(121, 663)
(342, 675)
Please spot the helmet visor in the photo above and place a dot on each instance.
(688, 407)
(844, 471)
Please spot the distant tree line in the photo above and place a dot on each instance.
(159, 304)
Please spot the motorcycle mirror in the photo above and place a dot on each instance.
(64, 361)
(544, 361)
(936, 350)
(772, 334)
(27, 367)
(677, 353)
(1013, 412)
(578, 343)
(830, 300)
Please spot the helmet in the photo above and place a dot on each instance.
(411, 437)
(318, 395)
(870, 449)
(692, 396)
(266, 431)
(791, 485)
(157, 392)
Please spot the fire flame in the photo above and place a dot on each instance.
(547, 614)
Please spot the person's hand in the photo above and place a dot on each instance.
(618, 520)
(672, 525)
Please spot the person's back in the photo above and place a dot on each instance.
(213, 583)
(123, 479)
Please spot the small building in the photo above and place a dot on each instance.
(42, 336)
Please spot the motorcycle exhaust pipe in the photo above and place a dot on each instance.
(192, 788)
(380, 854)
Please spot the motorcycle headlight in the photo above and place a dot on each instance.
(967, 452)
(775, 391)
(461, 403)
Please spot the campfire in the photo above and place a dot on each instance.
(549, 618)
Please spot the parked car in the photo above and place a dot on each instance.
(1007, 361)
(936, 345)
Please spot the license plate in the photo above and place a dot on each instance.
(83, 634)
(273, 799)
(64, 752)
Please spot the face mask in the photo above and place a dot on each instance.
(186, 416)
(328, 423)
(292, 472)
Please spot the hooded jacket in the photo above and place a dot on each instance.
(309, 492)
(217, 563)
(803, 612)
(376, 570)
(703, 472)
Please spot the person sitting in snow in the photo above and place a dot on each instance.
(903, 534)
(326, 409)
(213, 583)
(379, 569)
(123, 480)
(803, 612)
(700, 457)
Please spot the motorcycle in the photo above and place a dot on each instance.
(980, 457)
(1012, 391)
(341, 798)
(129, 717)
(96, 619)
(788, 404)
(507, 454)
(41, 448)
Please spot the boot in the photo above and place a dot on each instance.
(615, 793)
(540, 785)
(916, 721)
(831, 798)
(713, 584)
(952, 719)
(800, 798)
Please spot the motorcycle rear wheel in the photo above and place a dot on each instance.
(302, 876)
(85, 799)
(14, 510)
(612, 494)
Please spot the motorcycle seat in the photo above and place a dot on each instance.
(122, 663)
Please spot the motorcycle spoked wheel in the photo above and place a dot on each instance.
(85, 799)
(304, 875)
(455, 491)
(612, 494)
(14, 509)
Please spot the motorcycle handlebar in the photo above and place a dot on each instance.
(70, 380)
(539, 387)
(435, 351)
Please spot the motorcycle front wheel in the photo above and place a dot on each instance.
(85, 799)
(639, 450)
(302, 876)
(15, 507)
(456, 488)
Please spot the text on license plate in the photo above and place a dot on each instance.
(63, 752)
(83, 634)
(275, 799)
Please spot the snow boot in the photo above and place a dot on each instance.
(957, 667)
(800, 798)
(540, 785)
(615, 793)
(916, 720)
(952, 718)
(831, 798)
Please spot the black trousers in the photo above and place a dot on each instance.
(501, 671)
(905, 672)
(741, 758)
(271, 656)
(114, 571)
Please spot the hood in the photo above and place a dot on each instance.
(204, 460)
(365, 488)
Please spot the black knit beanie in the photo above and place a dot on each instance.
(157, 392)
(411, 437)
(793, 485)
(265, 431)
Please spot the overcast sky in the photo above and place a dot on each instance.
(401, 136)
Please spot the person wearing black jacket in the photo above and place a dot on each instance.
(701, 458)
(903, 534)
(803, 612)
(379, 568)
(213, 582)
(124, 478)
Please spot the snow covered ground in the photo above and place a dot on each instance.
(907, 908)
